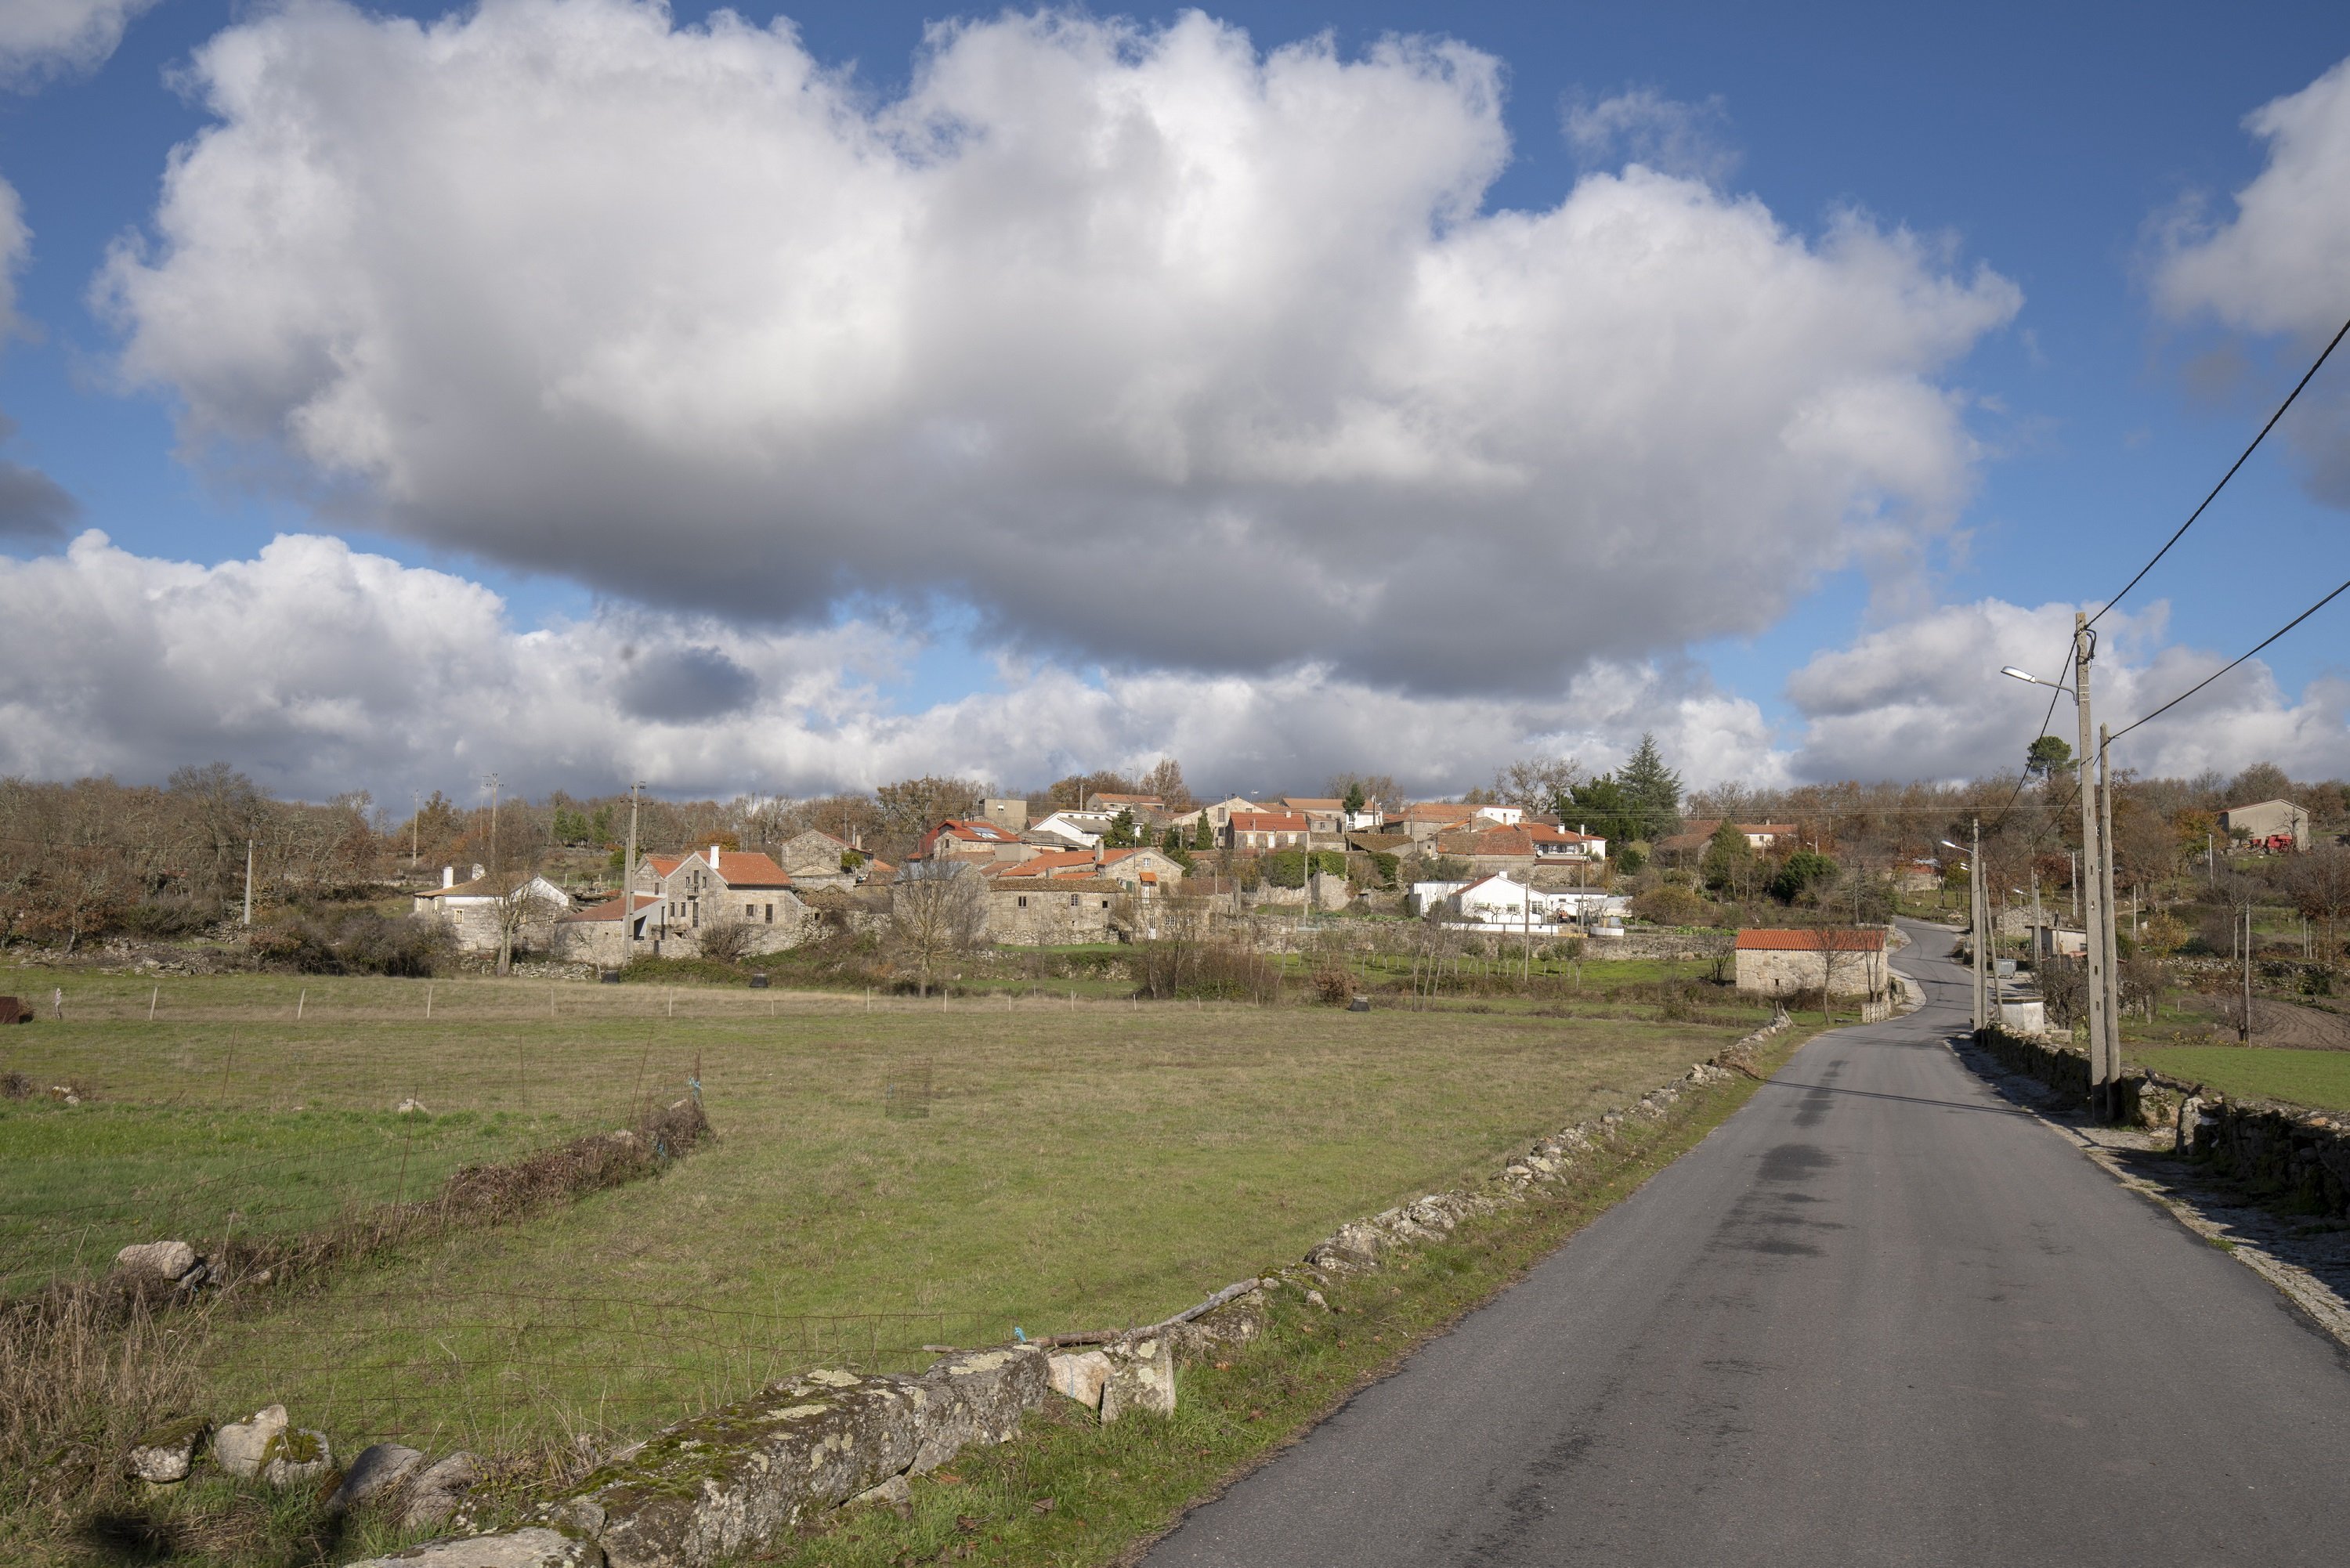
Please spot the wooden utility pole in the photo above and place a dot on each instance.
(248, 881)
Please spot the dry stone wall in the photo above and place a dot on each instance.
(2299, 1154)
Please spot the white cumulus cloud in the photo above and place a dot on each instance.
(1154, 346)
(320, 668)
(41, 38)
(1924, 699)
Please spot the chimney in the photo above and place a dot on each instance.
(448, 876)
(713, 858)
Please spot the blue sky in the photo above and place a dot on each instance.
(2047, 145)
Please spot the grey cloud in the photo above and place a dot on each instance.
(685, 683)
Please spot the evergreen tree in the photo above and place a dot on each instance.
(2048, 756)
(1728, 859)
(1122, 834)
(1203, 837)
(1601, 806)
(1356, 799)
(1652, 792)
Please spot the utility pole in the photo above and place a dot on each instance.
(2108, 1087)
(494, 824)
(248, 881)
(2244, 1027)
(628, 883)
(1982, 937)
(2084, 649)
(415, 811)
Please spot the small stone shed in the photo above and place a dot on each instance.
(1839, 961)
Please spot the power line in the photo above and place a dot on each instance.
(2232, 664)
(2232, 467)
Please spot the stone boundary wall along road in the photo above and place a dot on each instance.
(740, 1476)
(2301, 1155)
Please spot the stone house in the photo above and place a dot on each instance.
(2265, 820)
(1137, 870)
(714, 886)
(1426, 819)
(1219, 815)
(1147, 808)
(1323, 817)
(974, 839)
(1256, 832)
(812, 859)
(594, 934)
(1698, 833)
(473, 910)
(1839, 961)
(1052, 912)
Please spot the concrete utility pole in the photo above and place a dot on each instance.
(2244, 1027)
(1982, 935)
(2108, 1087)
(248, 881)
(628, 883)
(2093, 951)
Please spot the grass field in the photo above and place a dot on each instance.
(915, 1173)
(2319, 1079)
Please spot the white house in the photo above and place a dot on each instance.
(1506, 815)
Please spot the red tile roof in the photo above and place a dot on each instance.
(1056, 863)
(748, 868)
(1816, 939)
(1268, 822)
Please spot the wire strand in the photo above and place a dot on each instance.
(2232, 467)
(2232, 664)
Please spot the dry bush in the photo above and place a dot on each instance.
(1336, 987)
(16, 1086)
(86, 1370)
(728, 941)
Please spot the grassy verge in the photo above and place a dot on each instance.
(2318, 1079)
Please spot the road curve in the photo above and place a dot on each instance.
(1878, 1317)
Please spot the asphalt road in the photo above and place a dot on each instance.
(1876, 1317)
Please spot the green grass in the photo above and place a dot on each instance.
(2318, 1079)
(1079, 1166)
(86, 1180)
(1071, 1492)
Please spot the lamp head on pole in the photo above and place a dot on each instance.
(2025, 675)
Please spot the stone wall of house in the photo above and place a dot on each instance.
(1776, 973)
(1054, 916)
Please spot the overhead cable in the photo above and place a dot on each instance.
(2232, 664)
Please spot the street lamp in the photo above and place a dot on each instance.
(2034, 680)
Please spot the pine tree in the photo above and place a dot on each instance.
(1356, 799)
(1203, 837)
(1652, 792)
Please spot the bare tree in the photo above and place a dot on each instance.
(1532, 783)
(1380, 789)
(2319, 883)
(938, 908)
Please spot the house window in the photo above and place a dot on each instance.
(771, 914)
(1073, 900)
(750, 911)
(1023, 900)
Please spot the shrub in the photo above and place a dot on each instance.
(1336, 987)
(1669, 906)
(728, 941)
(360, 942)
(651, 971)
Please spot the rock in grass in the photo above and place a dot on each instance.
(440, 1491)
(166, 1260)
(241, 1447)
(1141, 1377)
(166, 1454)
(378, 1466)
(295, 1456)
(533, 1548)
(1081, 1377)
